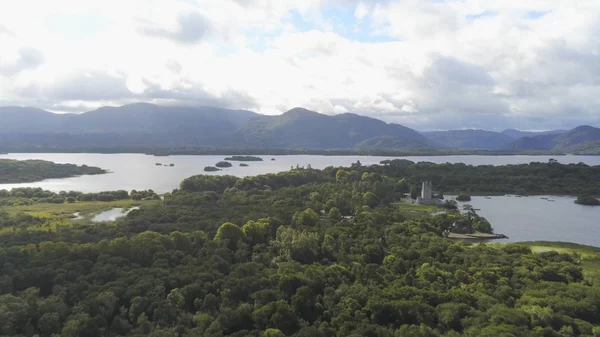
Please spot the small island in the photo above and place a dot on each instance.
(223, 164)
(244, 158)
(463, 197)
(27, 171)
(587, 200)
(211, 169)
(244, 165)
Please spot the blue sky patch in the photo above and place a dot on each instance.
(536, 14)
(482, 15)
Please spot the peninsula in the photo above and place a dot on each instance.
(25, 171)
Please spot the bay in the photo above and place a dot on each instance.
(540, 218)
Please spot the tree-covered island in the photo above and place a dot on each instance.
(244, 158)
(223, 164)
(25, 171)
(587, 200)
(326, 253)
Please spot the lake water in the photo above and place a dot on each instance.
(521, 219)
(537, 219)
(139, 172)
(112, 214)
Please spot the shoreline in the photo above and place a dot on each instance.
(165, 152)
(477, 236)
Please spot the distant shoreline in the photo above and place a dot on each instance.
(280, 152)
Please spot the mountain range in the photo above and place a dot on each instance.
(154, 126)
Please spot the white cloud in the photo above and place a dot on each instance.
(453, 64)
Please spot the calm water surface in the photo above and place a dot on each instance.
(112, 214)
(139, 172)
(537, 219)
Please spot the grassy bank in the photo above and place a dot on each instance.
(58, 215)
(411, 210)
(66, 210)
(590, 255)
(409, 206)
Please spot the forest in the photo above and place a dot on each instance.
(333, 252)
(34, 195)
(535, 178)
(24, 171)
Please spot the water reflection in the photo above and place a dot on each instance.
(112, 214)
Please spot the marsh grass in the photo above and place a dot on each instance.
(59, 215)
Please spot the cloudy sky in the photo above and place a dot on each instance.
(427, 64)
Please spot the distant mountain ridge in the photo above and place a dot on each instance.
(149, 125)
(301, 128)
(582, 139)
(470, 139)
(516, 134)
(144, 125)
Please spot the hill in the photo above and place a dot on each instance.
(301, 128)
(31, 120)
(149, 126)
(581, 138)
(139, 124)
(516, 134)
(470, 139)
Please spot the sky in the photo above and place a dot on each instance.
(426, 64)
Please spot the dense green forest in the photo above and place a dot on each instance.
(587, 200)
(22, 171)
(34, 195)
(526, 179)
(329, 252)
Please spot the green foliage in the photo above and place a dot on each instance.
(287, 271)
(587, 200)
(450, 205)
(223, 164)
(308, 217)
(370, 199)
(15, 171)
(525, 179)
(273, 333)
(244, 158)
(335, 214)
(463, 197)
(207, 183)
(229, 234)
(35, 195)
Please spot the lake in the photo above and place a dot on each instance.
(521, 219)
(139, 172)
(536, 219)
